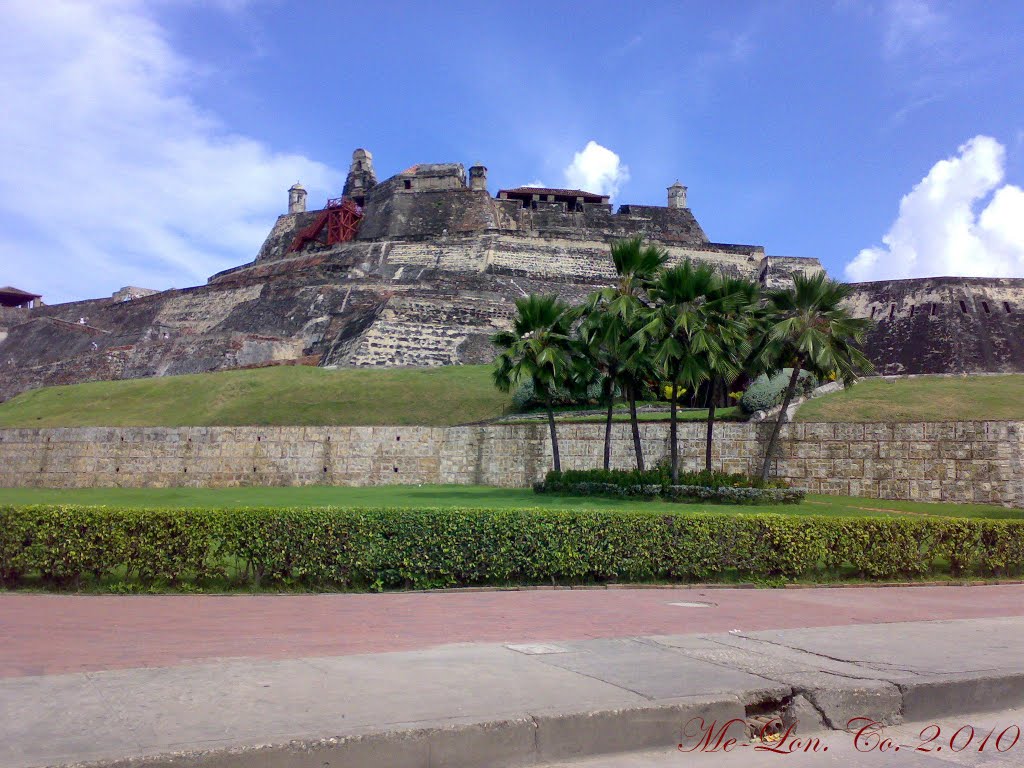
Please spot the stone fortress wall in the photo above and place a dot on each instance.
(944, 324)
(979, 462)
(433, 272)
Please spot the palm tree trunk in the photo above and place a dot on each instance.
(554, 433)
(673, 429)
(608, 423)
(769, 452)
(608, 435)
(712, 387)
(636, 428)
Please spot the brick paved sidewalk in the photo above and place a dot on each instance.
(51, 634)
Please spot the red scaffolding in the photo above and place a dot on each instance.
(341, 218)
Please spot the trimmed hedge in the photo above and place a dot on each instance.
(657, 483)
(726, 494)
(659, 475)
(72, 546)
(733, 494)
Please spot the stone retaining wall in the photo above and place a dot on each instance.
(945, 461)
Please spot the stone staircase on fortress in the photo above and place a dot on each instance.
(429, 331)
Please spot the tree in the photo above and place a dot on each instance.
(624, 304)
(686, 329)
(809, 330)
(737, 319)
(603, 341)
(537, 348)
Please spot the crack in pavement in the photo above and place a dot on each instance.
(598, 679)
(809, 669)
(855, 662)
(750, 669)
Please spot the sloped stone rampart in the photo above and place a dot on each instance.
(949, 461)
(943, 324)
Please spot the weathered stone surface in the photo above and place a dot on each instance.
(432, 273)
(944, 324)
(496, 454)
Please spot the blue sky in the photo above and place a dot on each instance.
(152, 143)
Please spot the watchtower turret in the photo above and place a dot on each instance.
(297, 198)
(361, 176)
(677, 196)
(478, 177)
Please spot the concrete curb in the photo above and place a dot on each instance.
(556, 736)
(510, 743)
(961, 694)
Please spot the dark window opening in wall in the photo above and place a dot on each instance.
(935, 309)
(408, 185)
(963, 306)
(912, 308)
(873, 310)
(892, 313)
(984, 306)
(1006, 306)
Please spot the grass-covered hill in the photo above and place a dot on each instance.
(283, 395)
(927, 398)
(444, 396)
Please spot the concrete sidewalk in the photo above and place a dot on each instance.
(477, 705)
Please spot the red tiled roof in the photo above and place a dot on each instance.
(8, 290)
(549, 191)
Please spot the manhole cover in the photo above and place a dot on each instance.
(693, 605)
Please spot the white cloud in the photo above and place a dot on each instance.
(112, 174)
(535, 183)
(938, 231)
(597, 169)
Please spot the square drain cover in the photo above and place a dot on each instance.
(535, 649)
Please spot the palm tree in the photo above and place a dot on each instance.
(537, 348)
(738, 315)
(624, 304)
(605, 346)
(809, 330)
(685, 329)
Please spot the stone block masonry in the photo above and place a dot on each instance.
(979, 462)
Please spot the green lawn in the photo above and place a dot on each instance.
(961, 398)
(302, 395)
(467, 496)
(283, 395)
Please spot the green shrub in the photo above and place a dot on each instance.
(765, 393)
(659, 475)
(139, 550)
(525, 398)
(679, 493)
(726, 494)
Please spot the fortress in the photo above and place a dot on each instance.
(420, 269)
